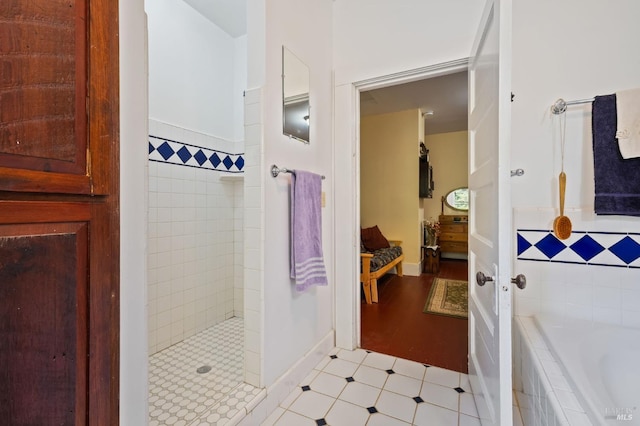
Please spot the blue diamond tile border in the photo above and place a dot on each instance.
(616, 249)
(163, 150)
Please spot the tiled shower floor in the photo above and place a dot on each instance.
(180, 396)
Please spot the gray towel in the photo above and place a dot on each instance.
(307, 263)
(617, 181)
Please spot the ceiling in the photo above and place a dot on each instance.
(445, 95)
(229, 15)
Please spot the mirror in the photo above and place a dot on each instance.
(458, 199)
(295, 97)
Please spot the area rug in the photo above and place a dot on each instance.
(447, 297)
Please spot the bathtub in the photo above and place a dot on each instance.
(576, 372)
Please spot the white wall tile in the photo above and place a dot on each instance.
(252, 116)
(607, 297)
(607, 315)
(631, 318)
(550, 290)
(582, 312)
(580, 294)
(252, 96)
(252, 303)
(628, 278)
(195, 243)
(631, 299)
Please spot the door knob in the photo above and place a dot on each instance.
(520, 281)
(482, 279)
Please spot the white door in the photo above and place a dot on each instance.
(490, 215)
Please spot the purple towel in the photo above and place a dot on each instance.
(617, 181)
(307, 264)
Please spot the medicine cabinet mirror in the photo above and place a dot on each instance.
(295, 97)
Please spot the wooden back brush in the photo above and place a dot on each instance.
(562, 224)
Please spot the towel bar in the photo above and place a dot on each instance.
(275, 171)
(561, 105)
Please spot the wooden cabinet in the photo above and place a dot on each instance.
(59, 212)
(454, 233)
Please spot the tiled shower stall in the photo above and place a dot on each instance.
(195, 233)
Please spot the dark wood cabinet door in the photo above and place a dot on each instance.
(59, 220)
(57, 80)
(43, 321)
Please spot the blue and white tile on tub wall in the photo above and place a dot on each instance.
(578, 289)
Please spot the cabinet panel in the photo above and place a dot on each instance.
(43, 122)
(43, 323)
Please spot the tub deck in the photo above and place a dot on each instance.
(577, 372)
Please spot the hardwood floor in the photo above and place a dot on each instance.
(397, 326)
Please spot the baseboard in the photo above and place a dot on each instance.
(411, 269)
(285, 384)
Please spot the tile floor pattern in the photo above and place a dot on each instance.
(180, 396)
(366, 388)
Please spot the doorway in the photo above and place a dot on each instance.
(397, 324)
(196, 209)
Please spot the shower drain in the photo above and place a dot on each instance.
(204, 369)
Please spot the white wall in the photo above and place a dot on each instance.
(192, 79)
(292, 322)
(556, 56)
(374, 39)
(239, 87)
(449, 156)
(133, 215)
(573, 50)
(389, 180)
(378, 37)
(295, 322)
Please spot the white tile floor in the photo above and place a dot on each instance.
(180, 396)
(346, 388)
(360, 387)
(365, 388)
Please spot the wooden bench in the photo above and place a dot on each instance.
(369, 279)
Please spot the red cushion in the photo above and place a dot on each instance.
(373, 239)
